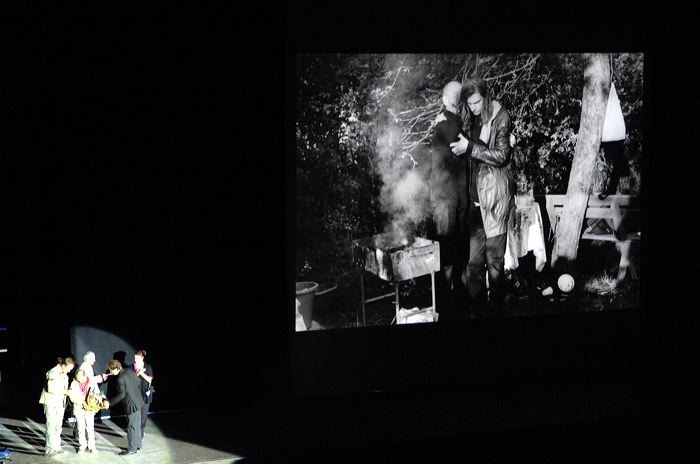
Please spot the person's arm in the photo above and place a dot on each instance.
(144, 374)
(452, 133)
(92, 378)
(460, 146)
(121, 393)
(500, 154)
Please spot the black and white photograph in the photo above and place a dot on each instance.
(432, 188)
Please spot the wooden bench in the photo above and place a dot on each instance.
(604, 215)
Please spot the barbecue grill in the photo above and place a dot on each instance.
(393, 261)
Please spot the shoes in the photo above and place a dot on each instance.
(127, 453)
(94, 451)
(81, 450)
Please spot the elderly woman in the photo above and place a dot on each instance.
(53, 397)
(490, 189)
(85, 418)
(448, 201)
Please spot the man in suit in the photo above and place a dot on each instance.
(128, 390)
(448, 201)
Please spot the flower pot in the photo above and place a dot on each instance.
(304, 304)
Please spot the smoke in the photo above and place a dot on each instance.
(405, 195)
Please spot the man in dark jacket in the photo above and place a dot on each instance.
(448, 201)
(491, 187)
(128, 390)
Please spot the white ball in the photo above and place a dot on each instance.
(565, 283)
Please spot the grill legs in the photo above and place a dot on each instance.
(362, 293)
(396, 318)
(432, 288)
(395, 295)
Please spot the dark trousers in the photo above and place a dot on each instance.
(450, 290)
(144, 417)
(448, 226)
(133, 430)
(485, 254)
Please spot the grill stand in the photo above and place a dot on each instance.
(381, 297)
(396, 316)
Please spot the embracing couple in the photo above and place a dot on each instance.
(471, 195)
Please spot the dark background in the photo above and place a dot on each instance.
(145, 175)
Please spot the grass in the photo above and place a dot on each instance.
(604, 284)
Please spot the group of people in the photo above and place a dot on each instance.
(471, 195)
(132, 387)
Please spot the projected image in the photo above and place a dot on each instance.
(436, 187)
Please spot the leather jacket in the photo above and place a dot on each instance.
(495, 182)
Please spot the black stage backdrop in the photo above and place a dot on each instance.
(134, 201)
(146, 176)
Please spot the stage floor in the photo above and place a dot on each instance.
(25, 438)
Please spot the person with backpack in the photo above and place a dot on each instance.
(53, 397)
(79, 392)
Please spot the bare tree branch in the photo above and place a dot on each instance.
(530, 62)
(417, 121)
(391, 87)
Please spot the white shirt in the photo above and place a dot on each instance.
(90, 373)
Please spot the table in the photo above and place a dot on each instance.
(525, 234)
(608, 213)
